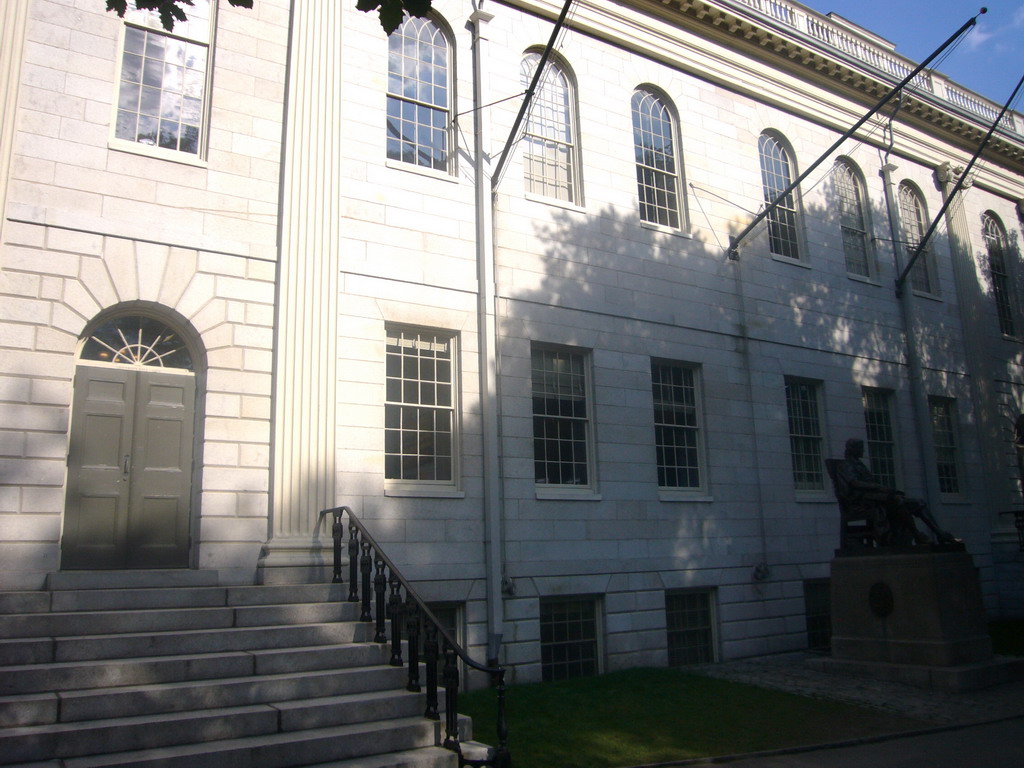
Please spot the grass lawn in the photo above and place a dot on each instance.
(643, 716)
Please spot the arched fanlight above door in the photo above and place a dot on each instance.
(137, 340)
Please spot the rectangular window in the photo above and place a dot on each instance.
(569, 639)
(944, 437)
(881, 442)
(805, 434)
(818, 612)
(165, 80)
(561, 419)
(677, 426)
(420, 414)
(690, 621)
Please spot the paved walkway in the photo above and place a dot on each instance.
(788, 672)
(978, 729)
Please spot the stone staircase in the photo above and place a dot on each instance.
(169, 669)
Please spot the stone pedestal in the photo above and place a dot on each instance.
(913, 615)
(920, 608)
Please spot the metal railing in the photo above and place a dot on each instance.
(377, 584)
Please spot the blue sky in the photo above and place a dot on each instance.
(989, 61)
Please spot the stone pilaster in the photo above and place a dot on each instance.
(307, 309)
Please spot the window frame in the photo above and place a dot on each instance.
(149, 23)
(669, 133)
(923, 277)
(449, 164)
(854, 224)
(997, 248)
(567, 130)
(588, 489)
(817, 387)
(791, 208)
(402, 486)
(695, 384)
(952, 449)
(876, 460)
(708, 650)
(598, 640)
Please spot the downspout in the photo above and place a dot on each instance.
(487, 353)
(918, 393)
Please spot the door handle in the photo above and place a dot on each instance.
(127, 456)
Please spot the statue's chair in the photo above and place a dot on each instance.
(859, 528)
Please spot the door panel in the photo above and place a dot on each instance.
(94, 528)
(158, 523)
(129, 469)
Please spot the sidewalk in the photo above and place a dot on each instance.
(979, 729)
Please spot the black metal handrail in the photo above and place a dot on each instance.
(371, 574)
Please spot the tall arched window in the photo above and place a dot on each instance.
(995, 243)
(657, 174)
(914, 219)
(852, 218)
(419, 76)
(776, 176)
(551, 155)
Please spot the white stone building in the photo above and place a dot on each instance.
(580, 426)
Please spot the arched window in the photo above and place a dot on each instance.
(995, 243)
(419, 76)
(914, 219)
(852, 218)
(657, 174)
(138, 341)
(776, 176)
(551, 155)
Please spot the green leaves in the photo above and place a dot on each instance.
(170, 10)
(391, 12)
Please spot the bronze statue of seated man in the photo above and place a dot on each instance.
(890, 512)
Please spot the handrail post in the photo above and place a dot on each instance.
(380, 584)
(412, 613)
(337, 531)
(353, 562)
(366, 568)
(502, 757)
(451, 699)
(430, 654)
(395, 614)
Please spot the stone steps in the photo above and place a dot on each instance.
(172, 669)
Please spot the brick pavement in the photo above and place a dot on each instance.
(789, 672)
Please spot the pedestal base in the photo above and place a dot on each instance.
(295, 561)
(917, 608)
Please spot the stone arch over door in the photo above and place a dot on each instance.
(133, 442)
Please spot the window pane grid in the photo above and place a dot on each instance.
(776, 176)
(995, 244)
(656, 175)
(881, 440)
(676, 426)
(568, 639)
(912, 217)
(560, 420)
(419, 411)
(549, 150)
(805, 435)
(852, 219)
(417, 119)
(162, 91)
(689, 623)
(818, 613)
(944, 439)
